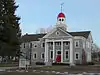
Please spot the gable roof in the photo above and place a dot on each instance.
(55, 29)
(81, 33)
(31, 37)
(35, 37)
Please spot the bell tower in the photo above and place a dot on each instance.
(61, 20)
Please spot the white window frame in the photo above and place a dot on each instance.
(30, 45)
(36, 55)
(66, 44)
(75, 43)
(50, 54)
(42, 45)
(78, 55)
(57, 32)
(58, 43)
(65, 55)
(50, 44)
(41, 55)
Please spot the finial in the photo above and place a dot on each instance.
(61, 6)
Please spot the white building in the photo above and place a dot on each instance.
(59, 45)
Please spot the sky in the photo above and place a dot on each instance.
(81, 15)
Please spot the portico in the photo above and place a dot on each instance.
(61, 50)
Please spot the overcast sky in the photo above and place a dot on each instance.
(80, 15)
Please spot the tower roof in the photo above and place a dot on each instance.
(61, 15)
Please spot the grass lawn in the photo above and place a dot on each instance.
(7, 65)
(57, 68)
(29, 73)
(76, 69)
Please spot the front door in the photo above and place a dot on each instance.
(58, 56)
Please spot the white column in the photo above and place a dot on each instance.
(46, 51)
(53, 51)
(61, 50)
(71, 53)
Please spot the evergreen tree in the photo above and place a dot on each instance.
(10, 32)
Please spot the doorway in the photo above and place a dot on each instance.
(58, 56)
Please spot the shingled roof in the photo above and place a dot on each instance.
(81, 33)
(32, 37)
(35, 37)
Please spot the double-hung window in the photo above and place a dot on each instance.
(77, 43)
(76, 55)
(66, 54)
(35, 55)
(51, 54)
(42, 55)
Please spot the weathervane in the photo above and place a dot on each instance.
(61, 6)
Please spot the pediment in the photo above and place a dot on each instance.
(57, 33)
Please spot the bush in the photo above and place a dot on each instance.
(60, 64)
(90, 63)
(40, 63)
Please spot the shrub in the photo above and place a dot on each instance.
(40, 63)
(90, 63)
(60, 64)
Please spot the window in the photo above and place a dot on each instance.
(34, 55)
(76, 43)
(76, 55)
(51, 54)
(30, 45)
(42, 55)
(50, 43)
(58, 52)
(66, 43)
(43, 44)
(35, 45)
(66, 54)
(57, 33)
(58, 43)
(24, 45)
(87, 44)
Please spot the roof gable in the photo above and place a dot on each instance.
(56, 33)
(82, 33)
(35, 37)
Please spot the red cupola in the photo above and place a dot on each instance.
(61, 15)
